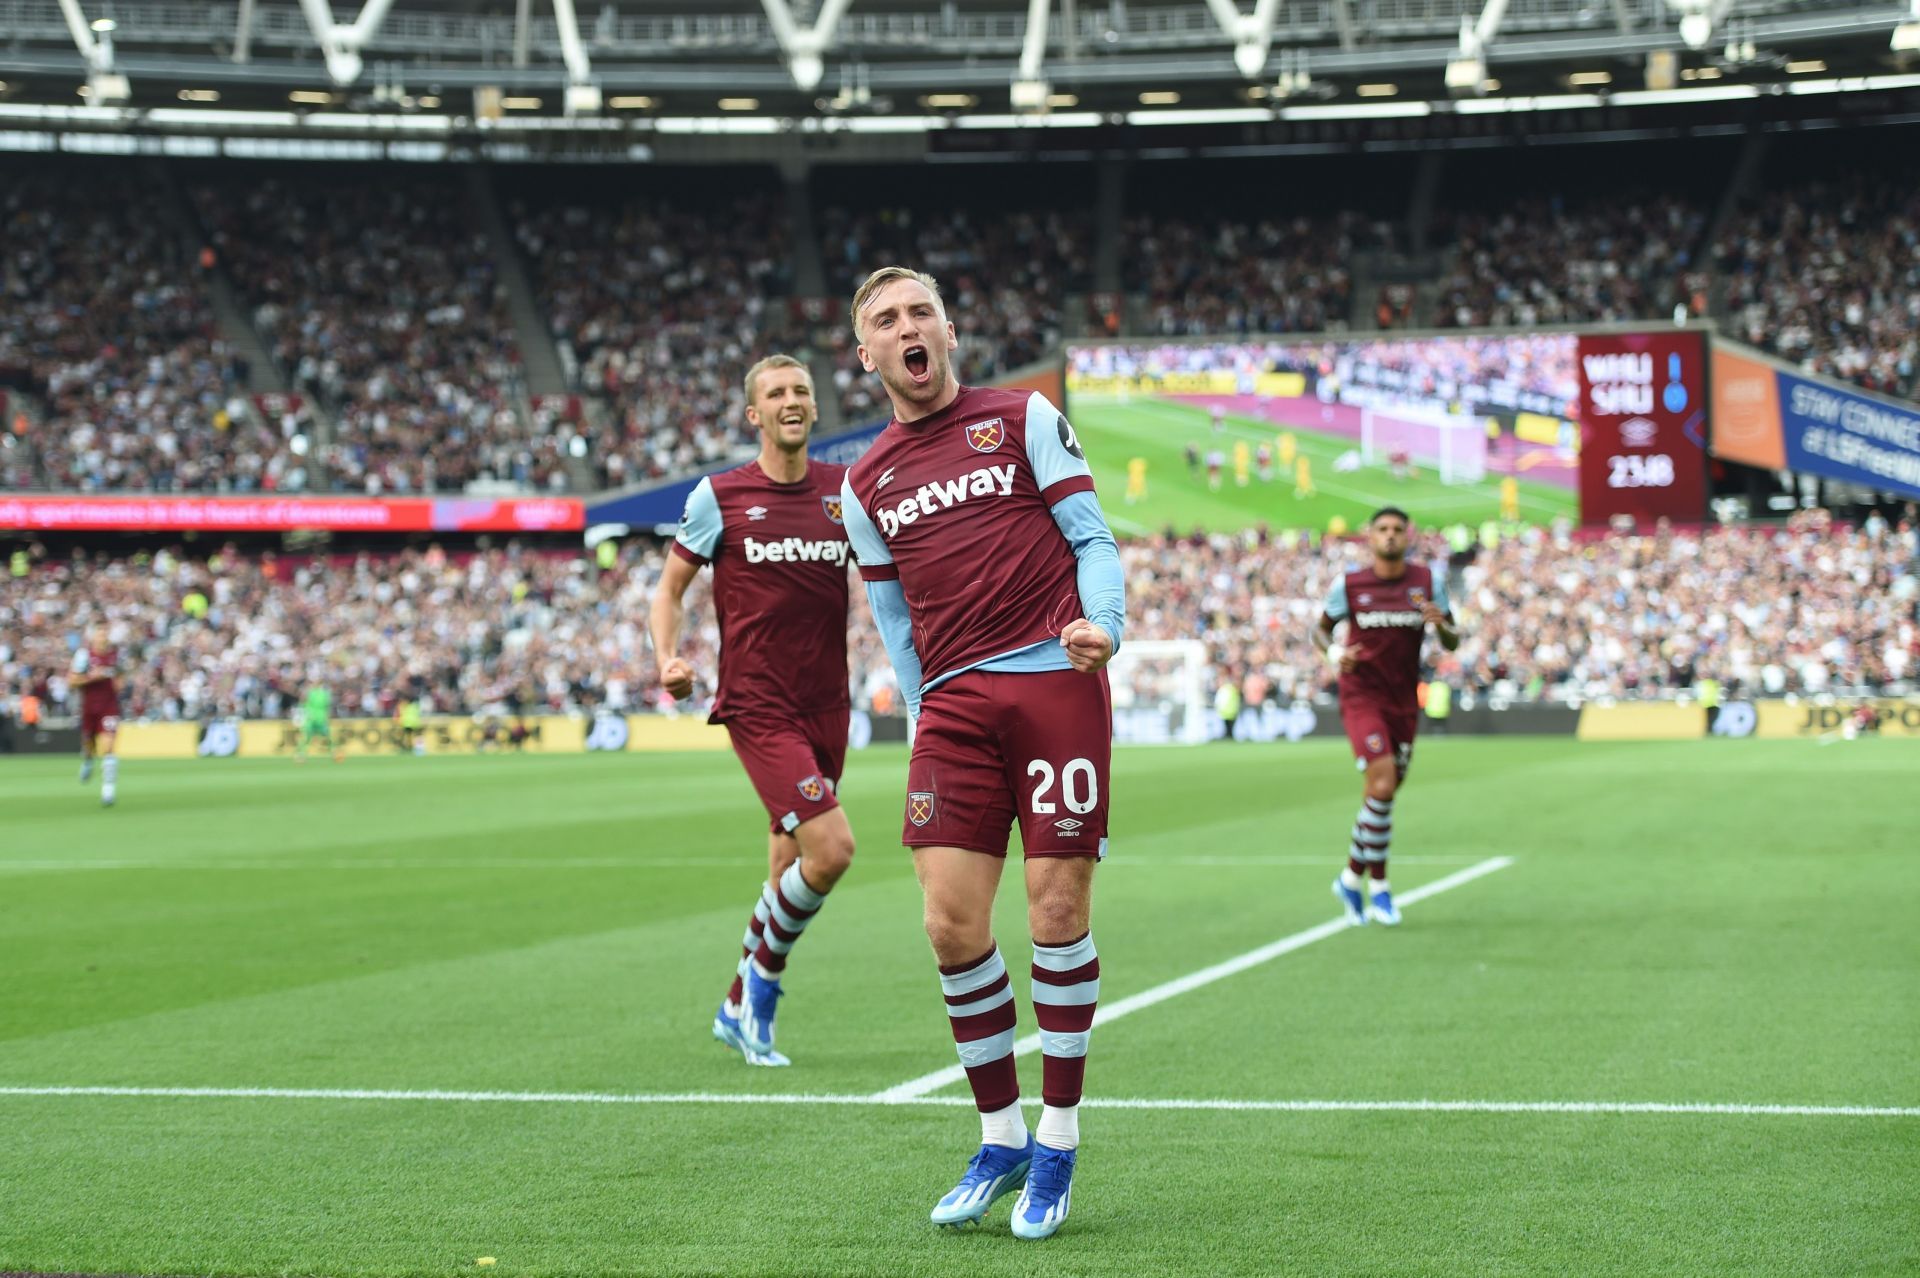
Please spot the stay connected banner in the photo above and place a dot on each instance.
(1766, 416)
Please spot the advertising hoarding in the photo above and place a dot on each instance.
(52, 513)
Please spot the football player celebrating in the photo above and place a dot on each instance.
(1387, 607)
(997, 588)
(96, 670)
(772, 531)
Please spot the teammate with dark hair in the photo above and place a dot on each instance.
(1387, 608)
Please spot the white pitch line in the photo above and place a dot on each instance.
(1322, 861)
(1205, 976)
(1735, 1109)
(350, 864)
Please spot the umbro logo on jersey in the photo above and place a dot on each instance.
(987, 436)
(928, 499)
(756, 512)
(1366, 599)
(886, 477)
(1069, 825)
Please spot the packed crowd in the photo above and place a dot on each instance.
(503, 631)
(105, 322)
(382, 299)
(1543, 262)
(661, 306)
(1803, 610)
(1806, 609)
(1829, 274)
(1005, 279)
(1229, 275)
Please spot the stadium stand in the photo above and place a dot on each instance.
(382, 299)
(107, 334)
(660, 303)
(1548, 617)
(1806, 609)
(1272, 275)
(1541, 262)
(1828, 274)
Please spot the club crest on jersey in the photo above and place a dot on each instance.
(832, 506)
(919, 806)
(987, 436)
(1417, 596)
(811, 788)
(1375, 744)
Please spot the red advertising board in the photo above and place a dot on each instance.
(284, 514)
(1643, 427)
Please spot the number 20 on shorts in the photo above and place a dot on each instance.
(1079, 786)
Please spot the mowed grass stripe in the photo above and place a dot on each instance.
(1423, 1106)
(1699, 923)
(1109, 1012)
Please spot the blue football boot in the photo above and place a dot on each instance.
(1381, 909)
(726, 1029)
(1043, 1203)
(756, 1011)
(1355, 904)
(993, 1173)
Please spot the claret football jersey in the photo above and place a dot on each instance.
(958, 506)
(779, 555)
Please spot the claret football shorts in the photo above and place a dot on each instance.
(1377, 732)
(994, 748)
(793, 762)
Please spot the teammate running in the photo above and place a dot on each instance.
(96, 670)
(316, 723)
(772, 531)
(1387, 608)
(997, 588)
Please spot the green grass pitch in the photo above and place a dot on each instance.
(1704, 922)
(1115, 431)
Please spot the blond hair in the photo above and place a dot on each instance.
(767, 365)
(864, 295)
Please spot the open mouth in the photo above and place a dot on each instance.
(919, 364)
(794, 418)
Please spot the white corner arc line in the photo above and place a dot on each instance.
(435, 1095)
(1194, 980)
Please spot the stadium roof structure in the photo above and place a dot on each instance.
(901, 65)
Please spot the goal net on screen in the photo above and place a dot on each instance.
(1159, 692)
(1454, 444)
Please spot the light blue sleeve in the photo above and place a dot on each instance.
(700, 522)
(1103, 586)
(1440, 599)
(885, 596)
(1336, 605)
(889, 603)
(1053, 450)
(868, 547)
